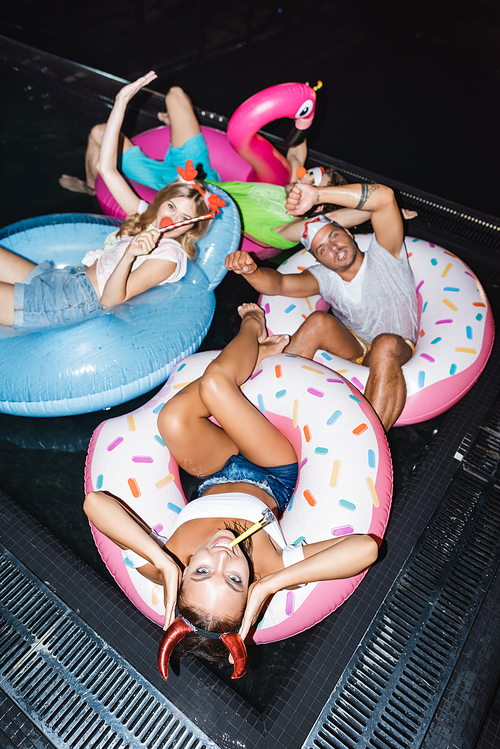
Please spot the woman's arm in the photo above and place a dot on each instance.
(116, 184)
(113, 520)
(124, 283)
(327, 560)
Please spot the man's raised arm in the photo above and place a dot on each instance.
(379, 199)
(269, 281)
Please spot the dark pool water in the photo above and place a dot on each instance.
(411, 89)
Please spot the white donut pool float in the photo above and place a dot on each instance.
(344, 485)
(455, 336)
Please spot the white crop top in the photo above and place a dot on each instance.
(114, 248)
(231, 505)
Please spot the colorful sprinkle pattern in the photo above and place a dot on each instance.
(343, 472)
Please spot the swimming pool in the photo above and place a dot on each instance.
(41, 461)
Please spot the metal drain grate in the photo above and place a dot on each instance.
(392, 685)
(78, 691)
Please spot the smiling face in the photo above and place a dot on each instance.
(336, 249)
(216, 578)
(177, 209)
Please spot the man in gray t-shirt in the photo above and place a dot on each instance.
(372, 294)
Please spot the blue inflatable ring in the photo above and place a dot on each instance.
(122, 352)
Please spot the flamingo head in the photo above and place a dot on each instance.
(305, 99)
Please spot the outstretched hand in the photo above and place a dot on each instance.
(130, 90)
(172, 578)
(241, 262)
(301, 199)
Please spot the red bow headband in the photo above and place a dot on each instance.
(188, 175)
(180, 627)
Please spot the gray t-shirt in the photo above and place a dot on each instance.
(381, 298)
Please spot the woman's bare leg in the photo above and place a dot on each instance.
(183, 122)
(197, 444)
(74, 184)
(6, 303)
(14, 268)
(163, 116)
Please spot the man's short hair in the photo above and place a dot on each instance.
(336, 179)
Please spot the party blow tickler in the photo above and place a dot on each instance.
(166, 224)
(267, 517)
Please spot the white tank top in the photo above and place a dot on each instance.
(381, 298)
(231, 505)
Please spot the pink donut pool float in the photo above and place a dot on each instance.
(344, 485)
(455, 337)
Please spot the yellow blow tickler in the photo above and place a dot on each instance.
(267, 517)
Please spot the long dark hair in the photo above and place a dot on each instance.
(197, 645)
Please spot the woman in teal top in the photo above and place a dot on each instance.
(262, 205)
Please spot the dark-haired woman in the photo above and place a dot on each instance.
(214, 593)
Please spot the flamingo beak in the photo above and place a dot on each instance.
(303, 123)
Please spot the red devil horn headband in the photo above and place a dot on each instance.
(174, 634)
(180, 627)
(236, 647)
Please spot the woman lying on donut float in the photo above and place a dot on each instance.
(214, 592)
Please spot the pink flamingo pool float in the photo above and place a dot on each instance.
(242, 154)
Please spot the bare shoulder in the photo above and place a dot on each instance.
(267, 556)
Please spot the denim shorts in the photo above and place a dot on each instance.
(278, 481)
(51, 296)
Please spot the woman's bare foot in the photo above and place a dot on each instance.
(253, 311)
(163, 117)
(407, 214)
(269, 345)
(274, 344)
(73, 184)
